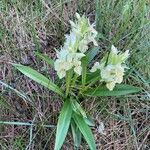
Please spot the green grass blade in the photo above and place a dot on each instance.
(85, 130)
(21, 94)
(39, 78)
(98, 17)
(121, 89)
(63, 124)
(25, 124)
(16, 123)
(45, 58)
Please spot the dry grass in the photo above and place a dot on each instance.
(40, 25)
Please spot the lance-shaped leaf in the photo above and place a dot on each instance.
(77, 108)
(63, 124)
(85, 130)
(92, 53)
(121, 89)
(86, 60)
(39, 78)
(93, 77)
(76, 135)
(45, 58)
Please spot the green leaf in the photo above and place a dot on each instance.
(92, 53)
(93, 77)
(63, 124)
(86, 60)
(77, 108)
(68, 81)
(45, 58)
(85, 130)
(39, 78)
(76, 135)
(89, 121)
(121, 89)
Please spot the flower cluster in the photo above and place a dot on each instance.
(75, 46)
(112, 67)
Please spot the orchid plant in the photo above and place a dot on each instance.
(72, 64)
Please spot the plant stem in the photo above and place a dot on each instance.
(74, 79)
(83, 89)
(68, 80)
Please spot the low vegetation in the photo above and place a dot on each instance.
(30, 33)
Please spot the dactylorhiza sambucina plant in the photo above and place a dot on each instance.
(72, 62)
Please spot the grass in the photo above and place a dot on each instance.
(29, 26)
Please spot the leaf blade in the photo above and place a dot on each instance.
(121, 89)
(93, 77)
(77, 108)
(76, 135)
(92, 53)
(45, 58)
(39, 78)
(63, 124)
(85, 130)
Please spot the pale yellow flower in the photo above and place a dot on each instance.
(112, 74)
(77, 63)
(114, 50)
(71, 44)
(117, 57)
(110, 85)
(95, 67)
(61, 66)
(83, 46)
(77, 67)
(61, 74)
(112, 67)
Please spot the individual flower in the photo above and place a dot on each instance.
(71, 44)
(62, 63)
(76, 61)
(77, 67)
(95, 67)
(83, 45)
(116, 57)
(112, 74)
(60, 67)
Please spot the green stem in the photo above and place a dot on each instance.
(74, 79)
(83, 89)
(68, 81)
